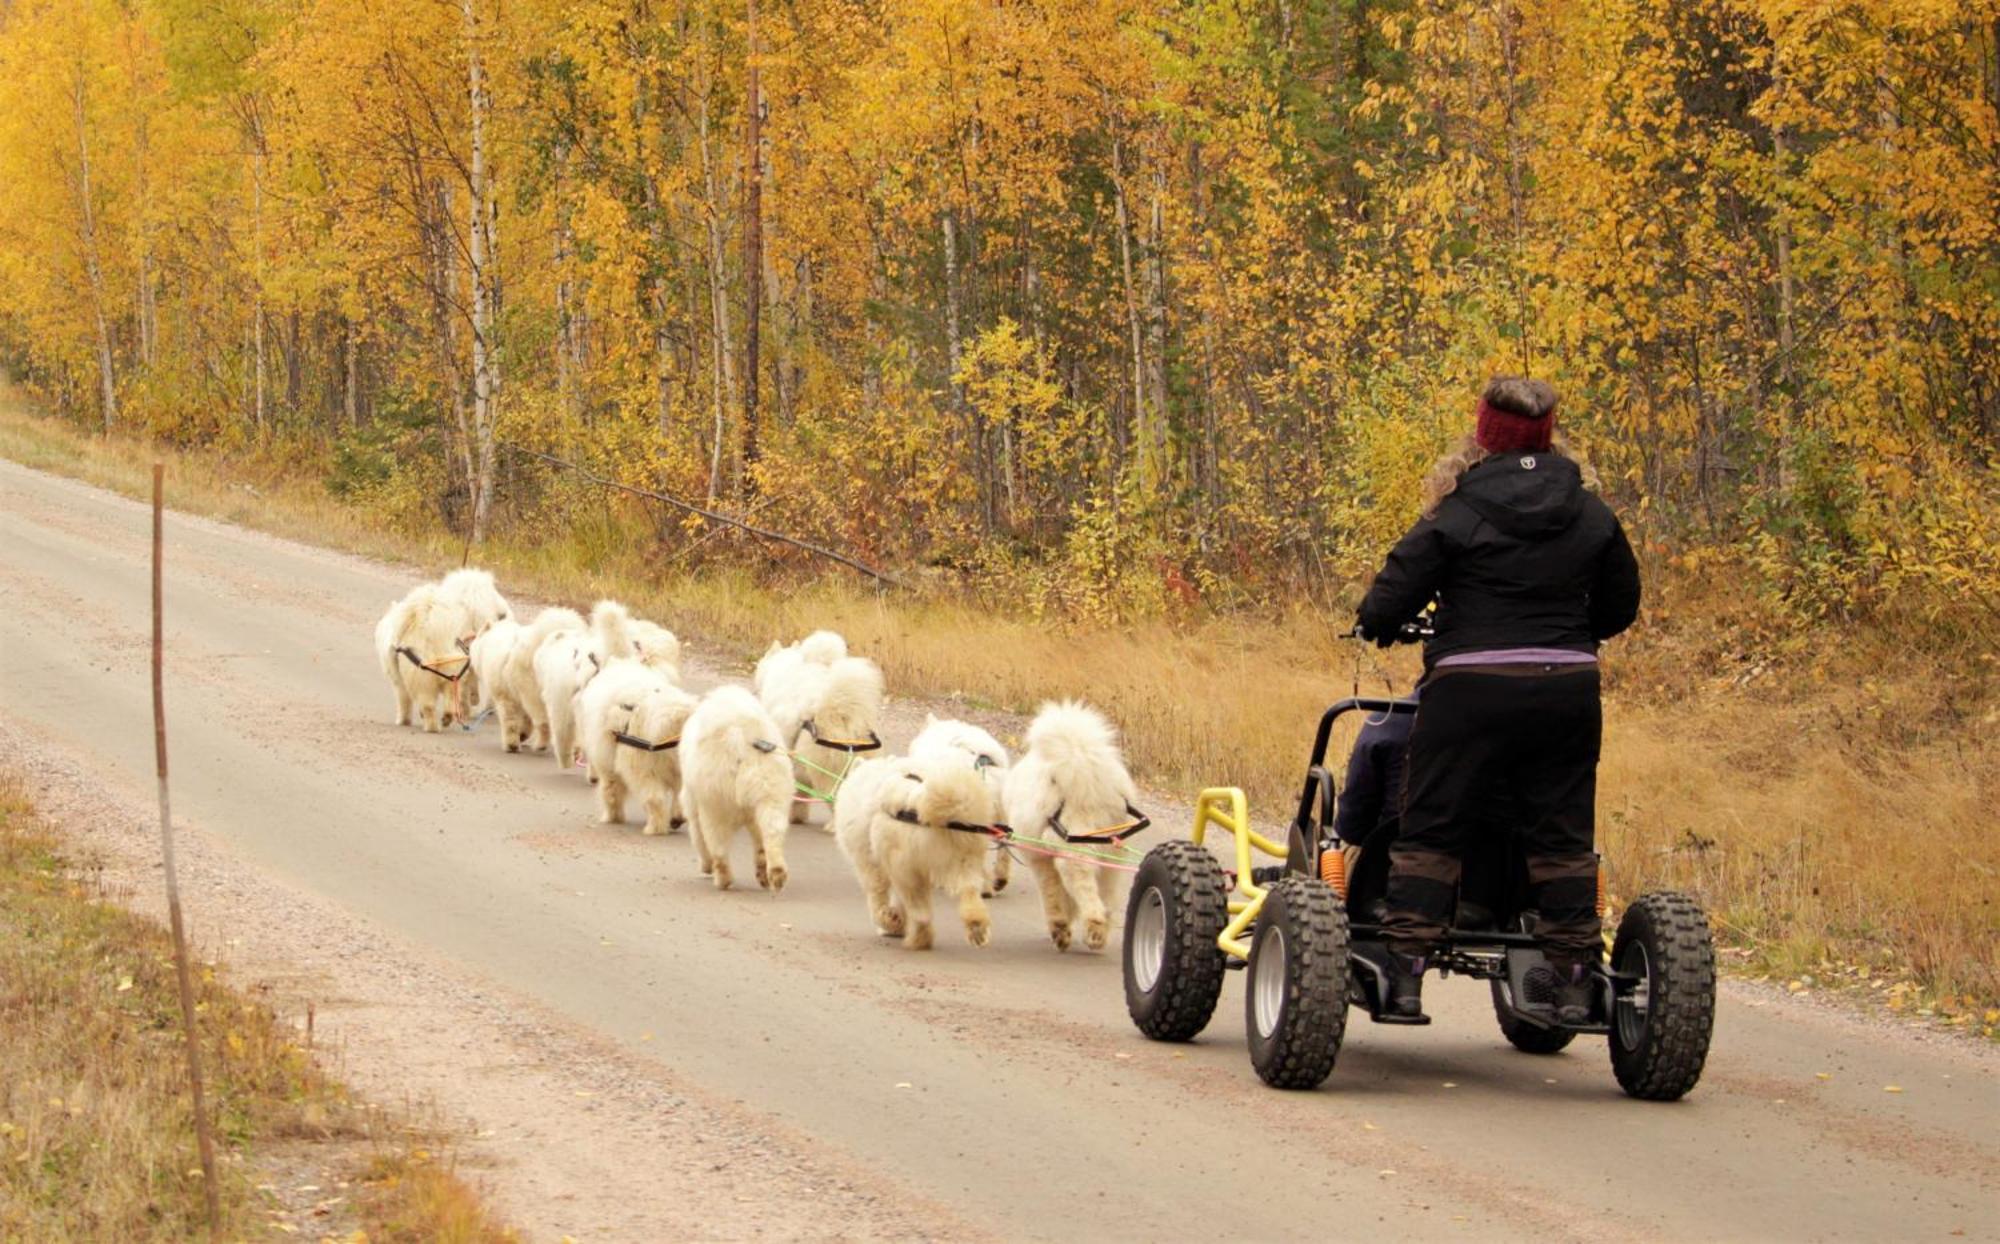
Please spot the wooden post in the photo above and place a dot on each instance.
(206, 1143)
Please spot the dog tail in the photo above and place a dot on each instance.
(1075, 739)
(851, 700)
(948, 791)
(547, 623)
(611, 622)
(823, 647)
(658, 647)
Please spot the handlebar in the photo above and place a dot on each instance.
(1415, 631)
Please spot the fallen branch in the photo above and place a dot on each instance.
(761, 533)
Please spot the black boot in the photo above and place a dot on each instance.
(1576, 994)
(1404, 986)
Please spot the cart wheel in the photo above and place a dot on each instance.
(1296, 1012)
(1660, 1032)
(1173, 967)
(1525, 1037)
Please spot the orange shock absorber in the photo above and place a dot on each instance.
(1333, 870)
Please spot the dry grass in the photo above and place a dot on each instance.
(1827, 794)
(96, 1133)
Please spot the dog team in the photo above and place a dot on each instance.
(604, 691)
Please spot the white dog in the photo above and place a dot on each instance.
(485, 607)
(967, 742)
(780, 660)
(826, 714)
(648, 763)
(629, 721)
(911, 825)
(566, 664)
(1072, 781)
(516, 696)
(734, 777)
(420, 645)
(489, 655)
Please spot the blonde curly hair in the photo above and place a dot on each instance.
(1466, 453)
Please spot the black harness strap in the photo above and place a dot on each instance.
(851, 746)
(645, 745)
(428, 668)
(1111, 836)
(909, 817)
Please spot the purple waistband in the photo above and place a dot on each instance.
(1519, 656)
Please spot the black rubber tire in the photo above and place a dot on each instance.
(1303, 920)
(1194, 892)
(1660, 1057)
(1526, 1037)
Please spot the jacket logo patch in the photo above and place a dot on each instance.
(1527, 464)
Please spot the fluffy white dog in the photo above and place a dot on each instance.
(566, 664)
(516, 696)
(911, 825)
(474, 590)
(653, 771)
(420, 645)
(1071, 781)
(489, 655)
(948, 738)
(826, 714)
(734, 777)
(604, 711)
(780, 660)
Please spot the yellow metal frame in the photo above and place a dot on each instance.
(1225, 808)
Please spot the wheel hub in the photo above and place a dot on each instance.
(1149, 940)
(1632, 1010)
(1267, 984)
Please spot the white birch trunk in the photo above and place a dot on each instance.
(107, 381)
(485, 351)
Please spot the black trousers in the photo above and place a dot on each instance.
(1499, 749)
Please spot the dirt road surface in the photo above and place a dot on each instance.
(641, 1058)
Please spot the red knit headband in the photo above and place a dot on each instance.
(1504, 432)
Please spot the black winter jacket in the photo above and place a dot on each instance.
(1519, 555)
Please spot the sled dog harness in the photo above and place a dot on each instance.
(851, 746)
(1110, 835)
(909, 817)
(465, 663)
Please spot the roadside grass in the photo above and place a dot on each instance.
(96, 1131)
(1826, 791)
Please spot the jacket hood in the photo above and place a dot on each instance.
(1528, 496)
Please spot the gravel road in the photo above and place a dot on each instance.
(640, 1058)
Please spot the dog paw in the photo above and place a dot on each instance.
(722, 878)
(890, 922)
(513, 747)
(978, 932)
(763, 875)
(1059, 934)
(652, 829)
(999, 884)
(1096, 933)
(778, 878)
(918, 937)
